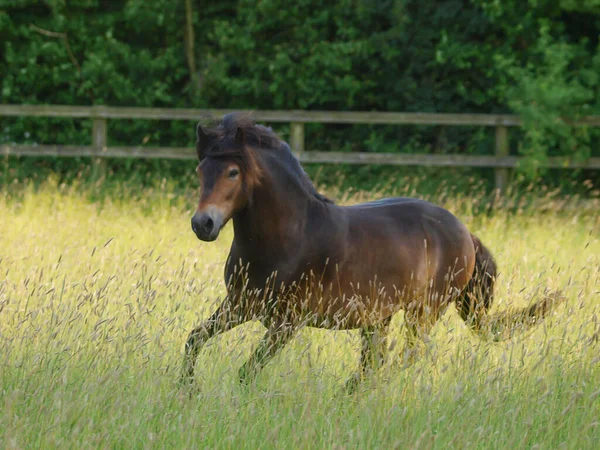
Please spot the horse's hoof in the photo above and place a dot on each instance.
(243, 377)
(352, 384)
(186, 388)
(186, 379)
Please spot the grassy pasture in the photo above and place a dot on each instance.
(97, 298)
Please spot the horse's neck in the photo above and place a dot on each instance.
(275, 221)
(270, 220)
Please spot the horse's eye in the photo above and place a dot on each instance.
(233, 173)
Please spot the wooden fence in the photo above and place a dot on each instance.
(501, 161)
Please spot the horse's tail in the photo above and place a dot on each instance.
(478, 295)
(476, 299)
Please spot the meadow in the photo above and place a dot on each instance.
(97, 298)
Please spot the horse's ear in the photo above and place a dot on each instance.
(240, 135)
(203, 141)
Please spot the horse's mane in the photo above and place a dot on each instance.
(256, 138)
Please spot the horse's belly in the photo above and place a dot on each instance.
(373, 287)
(354, 307)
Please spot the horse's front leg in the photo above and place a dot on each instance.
(222, 320)
(276, 337)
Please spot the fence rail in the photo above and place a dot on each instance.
(500, 161)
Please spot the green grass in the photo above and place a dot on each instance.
(97, 298)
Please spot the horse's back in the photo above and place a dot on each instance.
(415, 236)
(388, 202)
(410, 215)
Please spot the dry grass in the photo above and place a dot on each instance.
(96, 301)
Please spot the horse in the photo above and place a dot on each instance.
(299, 259)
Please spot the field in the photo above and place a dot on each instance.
(97, 298)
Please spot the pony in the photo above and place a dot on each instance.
(299, 259)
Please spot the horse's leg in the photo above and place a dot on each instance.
(374, 345)
(373, 350)
(222, 320)
(418, 324)
(412, 339)
(275, 338)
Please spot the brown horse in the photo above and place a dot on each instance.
(299, 259)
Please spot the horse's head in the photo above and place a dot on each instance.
(227, 171)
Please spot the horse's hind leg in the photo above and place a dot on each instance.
(418, 324)
(409, 353)
(373, 351)
(374, 345)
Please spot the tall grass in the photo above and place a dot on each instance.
(97, 298)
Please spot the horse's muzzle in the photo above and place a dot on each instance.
(207, 225)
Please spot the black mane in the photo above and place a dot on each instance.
(257, 138)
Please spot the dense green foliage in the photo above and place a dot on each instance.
(537, 58)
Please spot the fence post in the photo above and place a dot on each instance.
(502, 149)
(99, 134)
(99, 143)
(297, 137)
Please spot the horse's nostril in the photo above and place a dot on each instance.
(204, 226)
